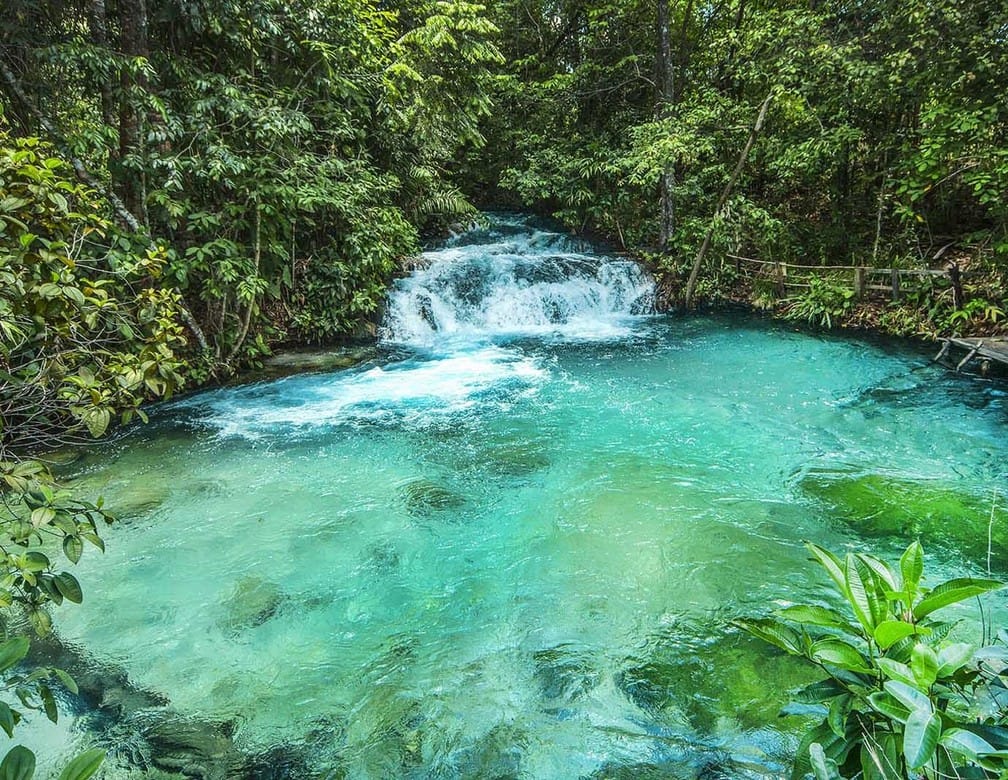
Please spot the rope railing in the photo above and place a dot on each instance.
(860, 273)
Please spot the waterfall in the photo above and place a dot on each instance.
(455, 326)
(509, 278)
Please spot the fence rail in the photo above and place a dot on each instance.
(894, 287)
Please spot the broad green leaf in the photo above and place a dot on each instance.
(920, 737)
(837, 716)
(912, 567)
(877, 566)
(83, 766)
(924, 665)
(69, 587)
(18, 764)
(818, 692)
(34, 561)
(831, 744)
(889, 706)
(996, 735)
(73, 547)
(952, 592)
(43, 515)
(889, 632)
(910, 697)
(829, 562)
(818, 616)
(41, 621)
(8, 720)
(774, 632)
(12, 651)
(952, 658)
(67, 680)
(880, 758)
(836, 652)
(966, 743)
(860, 590)
(824, 768)
(48, 702)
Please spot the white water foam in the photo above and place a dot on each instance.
(413, 392)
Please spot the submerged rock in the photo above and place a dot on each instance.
(142, 498)
(281, 762)
(497, 755)
(669, 771)
(878, 505)
(517, 459)
(103, 687)
(424, 498)
(313, 361)
(731, 682)
(563, 673)
(252, 602)
(382, 558)
(196, 748)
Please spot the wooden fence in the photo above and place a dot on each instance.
(864, 280)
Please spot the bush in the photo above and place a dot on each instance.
(824, 302)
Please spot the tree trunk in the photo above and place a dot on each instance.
(99, 36)
(665, 84)
(725, 194)
(132, 43)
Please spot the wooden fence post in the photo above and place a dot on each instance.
(895, 284)
(859, 282)
(955, 277)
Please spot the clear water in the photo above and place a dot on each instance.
(511, 546)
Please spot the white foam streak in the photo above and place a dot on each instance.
(416, 390)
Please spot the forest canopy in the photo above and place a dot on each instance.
(286, 157)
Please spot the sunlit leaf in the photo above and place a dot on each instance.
(920, 737)
(83, 766)
(952, 592)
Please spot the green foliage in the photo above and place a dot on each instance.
(83, 338)
(975, 309)
(261, 141)
(39, 523)
(901, 698)
(887, 127)
(824, 302)
(86, 336)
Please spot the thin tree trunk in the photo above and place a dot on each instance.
(132, 43)
(99, 35)
(725, 194)
(251, 304)
(881, 207)
(663, 106)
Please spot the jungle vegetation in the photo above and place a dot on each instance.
(186, 183)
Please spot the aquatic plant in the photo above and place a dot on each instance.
(902, 698)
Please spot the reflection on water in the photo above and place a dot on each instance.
(515, 551)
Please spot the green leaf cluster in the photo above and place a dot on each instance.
(901, 698)
(85, 335)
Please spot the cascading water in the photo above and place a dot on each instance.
(511, 279)
(511, 545)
